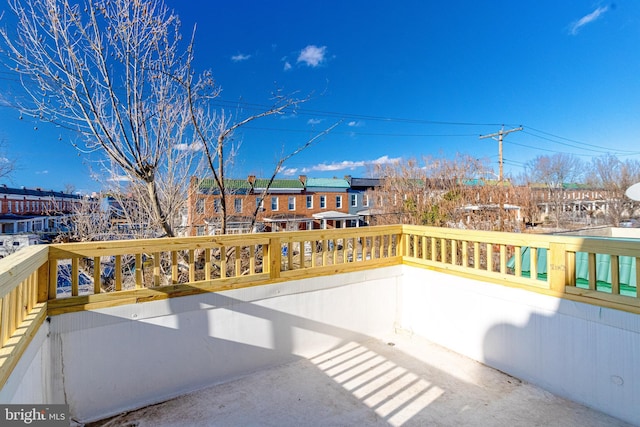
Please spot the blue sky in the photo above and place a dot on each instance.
(404, 79)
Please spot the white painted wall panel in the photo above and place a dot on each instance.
(130, 356)
(30, 380)
(583, 352)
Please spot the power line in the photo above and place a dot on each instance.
(596, 149)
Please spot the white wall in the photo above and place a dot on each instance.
(583, 352)
(106, 361)
(130, 356)
(29, 381)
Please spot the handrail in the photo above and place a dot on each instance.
(48, 280)
(564, 266)
(143, 270)
(23, 303)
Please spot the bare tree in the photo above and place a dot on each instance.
(554, 172)
(7, 165)
(278, 168)
(114, 72)
(447, 193)
(614, 176)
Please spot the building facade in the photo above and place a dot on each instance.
(26, 201)
(279, 205)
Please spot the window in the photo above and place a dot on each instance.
(237, 205)
(292, 203)
(338, 202)
(200, 230)
(323, 202)
(354, 200)
(309, 202)
(365, 200)
(16, 243)
(260, 203)
(274, 203)
(200, 206)
(217, 205)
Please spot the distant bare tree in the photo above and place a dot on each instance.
(446, 192)
(7, 165)
(614, 176)
(554, 172)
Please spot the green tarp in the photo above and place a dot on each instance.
(627, 268)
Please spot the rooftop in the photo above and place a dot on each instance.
(389, 325)
(399, 380)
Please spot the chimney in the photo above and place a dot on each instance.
(251, 179)
(303, 179)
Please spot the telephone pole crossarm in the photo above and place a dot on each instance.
(500, 135)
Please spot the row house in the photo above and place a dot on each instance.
(361, 196)
(282, 204)
(25, 201)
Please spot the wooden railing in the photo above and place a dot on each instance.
(54, 279)
(89, 275)
(586, 269)
(23, 277)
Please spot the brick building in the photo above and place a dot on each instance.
(288, 204)
(25, 201)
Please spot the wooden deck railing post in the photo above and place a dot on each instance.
(43, 282)
(274, 257)
(558, 271)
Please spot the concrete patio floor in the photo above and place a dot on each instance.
(400, 380)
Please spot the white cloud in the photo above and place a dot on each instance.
(195, 146)
(355, 124)
(119, 178)
(312, 55)
(350, 164)
(240, 57)
(384, 160)
(587, 19)
(288, 171)
(314, 121)
(287, 66)
(44, 172)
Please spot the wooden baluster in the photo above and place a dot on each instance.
(118, 272)
(252, 259)
(615, 274)
(139, 271)
(74, 277)
(174, 267)
(96, 275)
(592, 271)
(223, 262)
(238, 258)
(156, 269)
(207, 264)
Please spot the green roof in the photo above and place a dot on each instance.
(279, 183)
(327, 182)
(210, 183)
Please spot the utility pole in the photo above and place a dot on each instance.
(500, 134)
